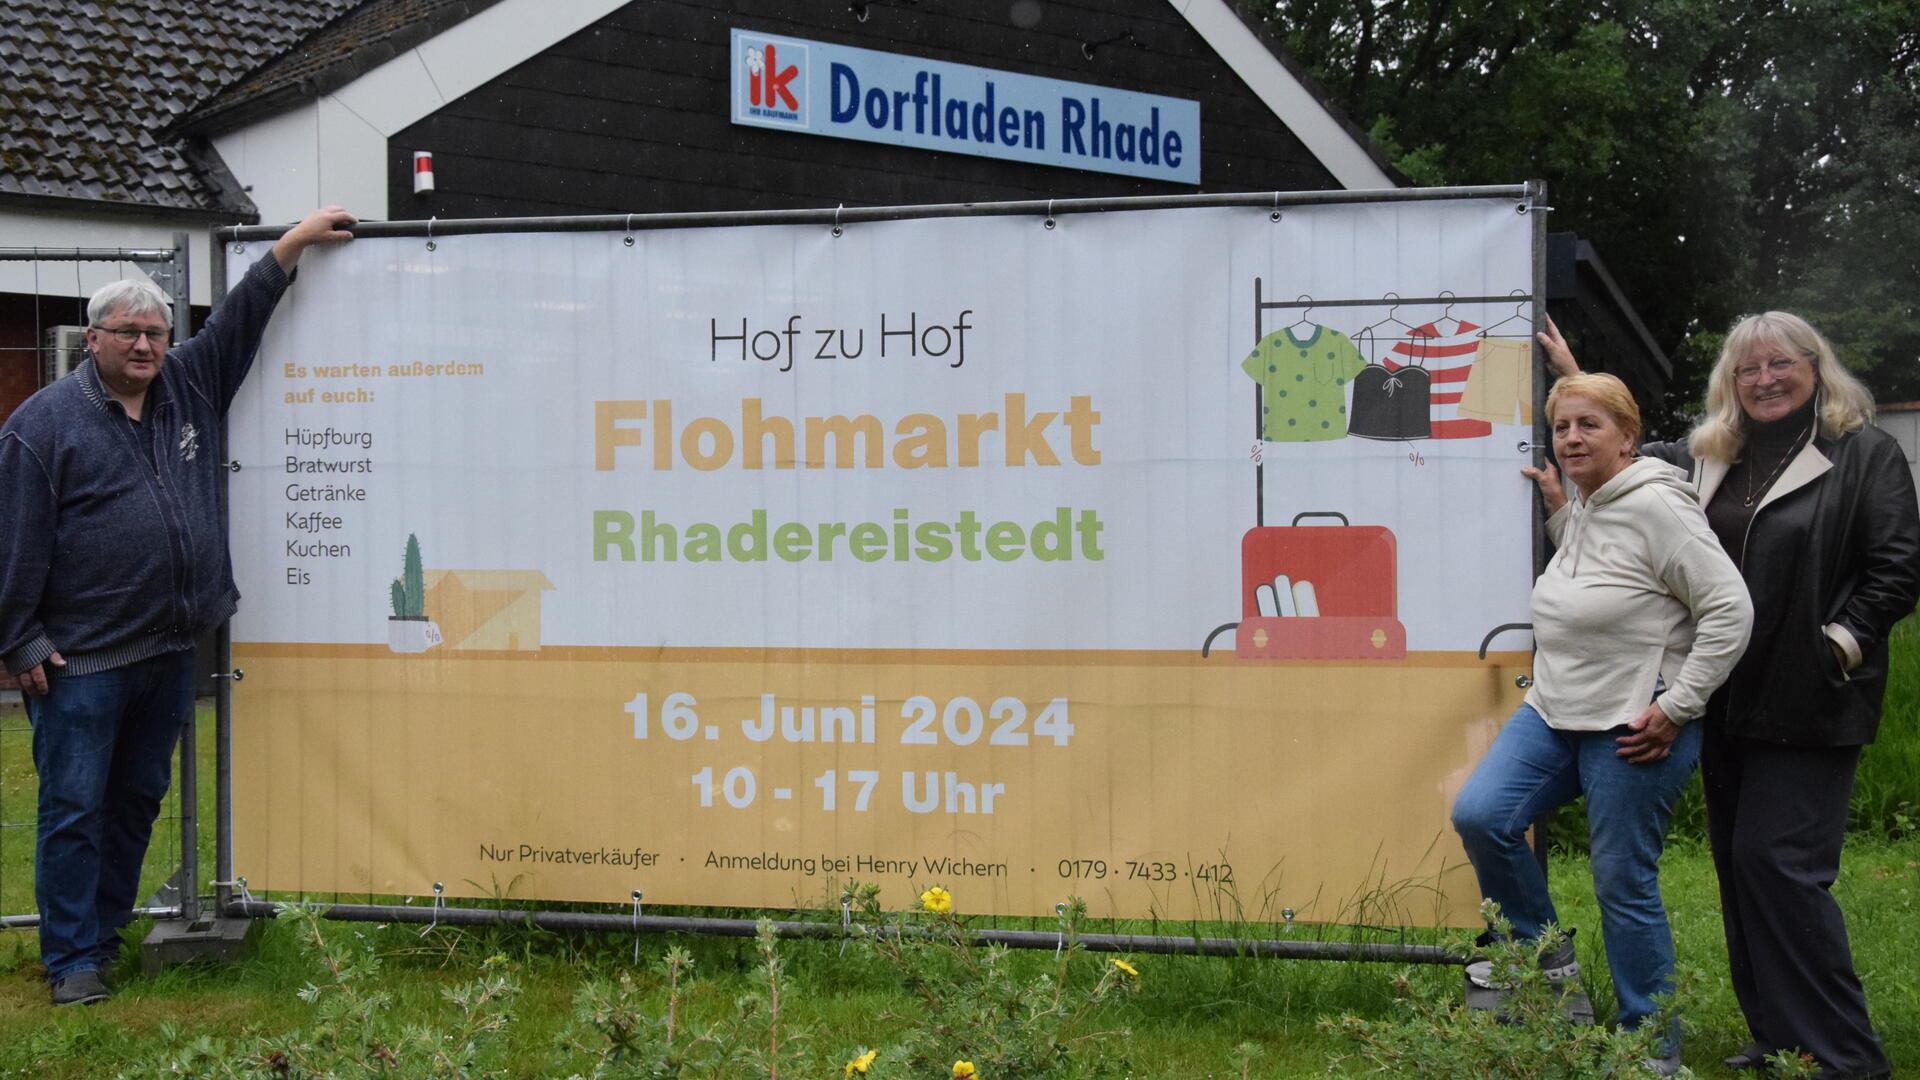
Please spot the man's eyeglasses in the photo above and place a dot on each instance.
(127, 335)
(1778, 367)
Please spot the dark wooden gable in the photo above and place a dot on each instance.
(631, 114)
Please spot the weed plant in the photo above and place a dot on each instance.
(1432, 1033)
(971, 1006)
(353, 1029)
(1190, 1017)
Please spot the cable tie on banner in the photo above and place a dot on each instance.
(629, 239)
(637, 895)
(1524, 207)
(846, 923)
(1049, 222)
(836, 218)
(1060, 941)
(1286, 916)
(245, 896)
(439, 900)
(1275, 215)
(430, 244)
(1526, 447)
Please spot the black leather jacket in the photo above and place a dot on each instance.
(1837, 541)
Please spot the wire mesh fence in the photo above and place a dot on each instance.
(43, 298)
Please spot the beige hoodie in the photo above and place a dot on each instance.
(1639, 592)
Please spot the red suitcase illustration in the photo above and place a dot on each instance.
(1345, 602)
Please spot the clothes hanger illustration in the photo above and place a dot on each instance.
(1393, 316)
(1303, 298)
(1448, 312)
(1520, 314)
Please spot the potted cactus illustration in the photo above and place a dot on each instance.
(408, 628)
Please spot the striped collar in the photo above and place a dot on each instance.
(96, 391)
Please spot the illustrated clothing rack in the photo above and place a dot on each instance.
(1260, 308)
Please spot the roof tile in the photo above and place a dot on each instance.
(89, 85)
(371, 33)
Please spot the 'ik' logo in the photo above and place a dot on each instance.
(767, 83)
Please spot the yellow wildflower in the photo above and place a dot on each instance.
(962, 1070)
(939, 901)
(862, 1063)
(1125, 967)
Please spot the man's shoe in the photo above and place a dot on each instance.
(80, 988)
(1557, 964)
(1751, 1056)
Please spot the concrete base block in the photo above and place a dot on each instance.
(177, 941)
(1573, 1000)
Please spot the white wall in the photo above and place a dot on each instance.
(318, 153)
(53, 229)
(334, 150)
(1904, 425)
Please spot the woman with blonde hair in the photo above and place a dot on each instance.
(1816, 507)
(1637, 618)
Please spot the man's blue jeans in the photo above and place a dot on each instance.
(1530, 770)
(103, 746)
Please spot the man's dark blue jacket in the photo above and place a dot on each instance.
(108, 553)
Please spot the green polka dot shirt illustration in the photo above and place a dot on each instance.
(1303, 383)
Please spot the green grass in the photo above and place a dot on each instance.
(19, 792)
(1186, 1020)
(1886, 791)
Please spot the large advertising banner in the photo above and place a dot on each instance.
(1145, 557)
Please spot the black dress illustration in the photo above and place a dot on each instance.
(1392, 405)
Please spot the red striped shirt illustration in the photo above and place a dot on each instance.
(1448, 358)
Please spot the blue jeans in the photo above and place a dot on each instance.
(1530, 770)
(103, 746)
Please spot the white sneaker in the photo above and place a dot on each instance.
(1558, 964)
(1663, 1066)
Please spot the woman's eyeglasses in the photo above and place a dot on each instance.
(1778, 367)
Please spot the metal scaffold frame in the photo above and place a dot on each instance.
(167, 268)
(230, 896)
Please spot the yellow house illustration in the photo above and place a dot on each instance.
(487, 609)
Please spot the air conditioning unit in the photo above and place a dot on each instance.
(66, 346)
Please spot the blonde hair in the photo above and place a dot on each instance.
(1608, 392)
(1841, 402)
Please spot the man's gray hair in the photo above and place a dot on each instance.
(132, 298)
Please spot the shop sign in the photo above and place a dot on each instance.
(847, 93)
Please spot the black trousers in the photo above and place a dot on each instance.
(1776, 818)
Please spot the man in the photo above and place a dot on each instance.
(113, 560)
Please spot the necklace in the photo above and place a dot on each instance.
(1765, 485)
